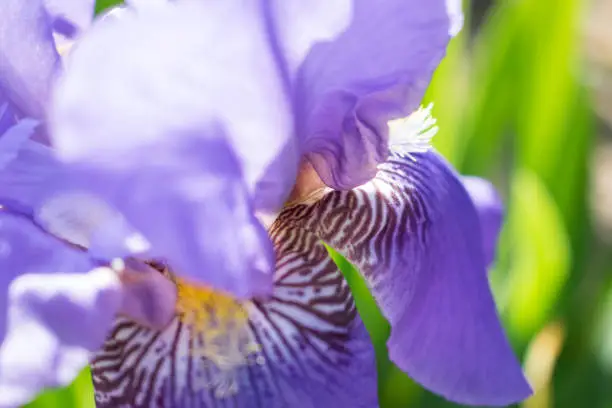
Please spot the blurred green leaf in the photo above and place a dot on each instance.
(102, 5)
(79, 394)
(540, 255)
(396, 389)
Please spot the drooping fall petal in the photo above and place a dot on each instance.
(415, 235)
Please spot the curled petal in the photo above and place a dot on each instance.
(414, 233)
(348, 89)
(28, 56)
(490, 211)
(149, 297)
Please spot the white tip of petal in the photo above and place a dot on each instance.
(455, 16)
(413, 134)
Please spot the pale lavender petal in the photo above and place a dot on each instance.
(28, 57)
(347, 89)
(490, 211)
(296, 25)
(178, 107)
(59, 309)
(54, 323)
(165, 63)
(201, 223)
(312, 348)
(414, 234)
(64, 205)
(34, 178)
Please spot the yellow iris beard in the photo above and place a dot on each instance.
(219, 326)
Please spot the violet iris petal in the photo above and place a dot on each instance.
(377, 70)
(28, 56)
(313, 350)
(13, 139)
(490, 211)
(55, 297)
(33, 177)
(7, 115)
(185, 106)
(414, 234)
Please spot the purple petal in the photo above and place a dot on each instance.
(27, 55)
(293, 27)
(178, 106)
(7, 115)
(64, 205)
(297, 25)
(149, 297)
(172, 77)
(313, 349)
(192, 208)
(59, 309)
(414, 234)
(32, 177)
(490, 211)
(377, 70)
(13, 140)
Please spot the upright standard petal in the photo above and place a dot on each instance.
(160, 71)
(58, 309)
(302, 347)
(178, 107)
(292, 27)
(28, 56)
(377, 70)
(414, 233)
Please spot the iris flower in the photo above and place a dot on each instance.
(58, 301)
(221, 144)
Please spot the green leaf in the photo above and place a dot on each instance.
(539, 254)
(396, 389)
(79, 394)
(102, 5)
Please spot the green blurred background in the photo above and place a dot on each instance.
(524, 98)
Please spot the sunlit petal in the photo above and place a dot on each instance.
(415, 235)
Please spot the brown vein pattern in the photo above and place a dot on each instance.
(313, 346)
